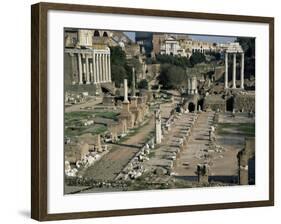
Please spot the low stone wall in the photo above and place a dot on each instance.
(244, 102)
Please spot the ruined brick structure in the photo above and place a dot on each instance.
(244, 101)
(214, 103)
(244, 156)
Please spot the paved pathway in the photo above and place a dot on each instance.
(165, 151)
(111, 164)
(193, 153)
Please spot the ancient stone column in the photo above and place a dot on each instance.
(242, 71)
(106, 68)
(226, 71)
(133, 83)
(91, 72)
(109, 68)
(80, 69)
(94, 68)
(195, 85)
(87, 70)
(98, 69)
(103, 68)
(125, 91)
(73, 66)
(234, 72)
(84, 67)
(158, 130)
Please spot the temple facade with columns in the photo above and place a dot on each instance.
(90, 66)
(87, 56)
(234, 49)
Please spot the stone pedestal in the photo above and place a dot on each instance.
(127, 115)
(226, 71)
(158, 130)
(203, 171)
(137, 111)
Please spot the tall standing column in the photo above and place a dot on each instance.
(80, 69)
(158, 130)
(133, 82)
(98, 69)
(242, 71)
(84, 67)
(226, 71)
(87, 70)
(91, 72)
(125, 91)
(106, 68)
(234, 72)
(94, 79)
(103, 68)
(109, 68)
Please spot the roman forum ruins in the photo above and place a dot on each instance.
(141, 113)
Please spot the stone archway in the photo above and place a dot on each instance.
(200, 103)
(191, 107)
(96, 33)
(229, 104)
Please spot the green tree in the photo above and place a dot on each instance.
(248, 46)
(174, 60)
(172, 76)
(197, 58)
(118, 74)
(143, 84)
(118, 56)
(216, 55)
(134, 62)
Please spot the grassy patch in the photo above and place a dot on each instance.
(107, 114)
(247, 129)
(74, 122)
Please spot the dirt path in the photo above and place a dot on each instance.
(109, 166)
(77, 107)
(222, 164)
(197, 143)
(164, 151)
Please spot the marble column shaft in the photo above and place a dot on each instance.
(94, 79)
(100, 68)
(242, 71)
(97, 68)
(109, 68)
(106, 67)
(80, 69)
(125, 91)
(226, 71)
(234, 72)
(133, 82)
(87, 70)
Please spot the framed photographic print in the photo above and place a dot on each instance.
(139, 111)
